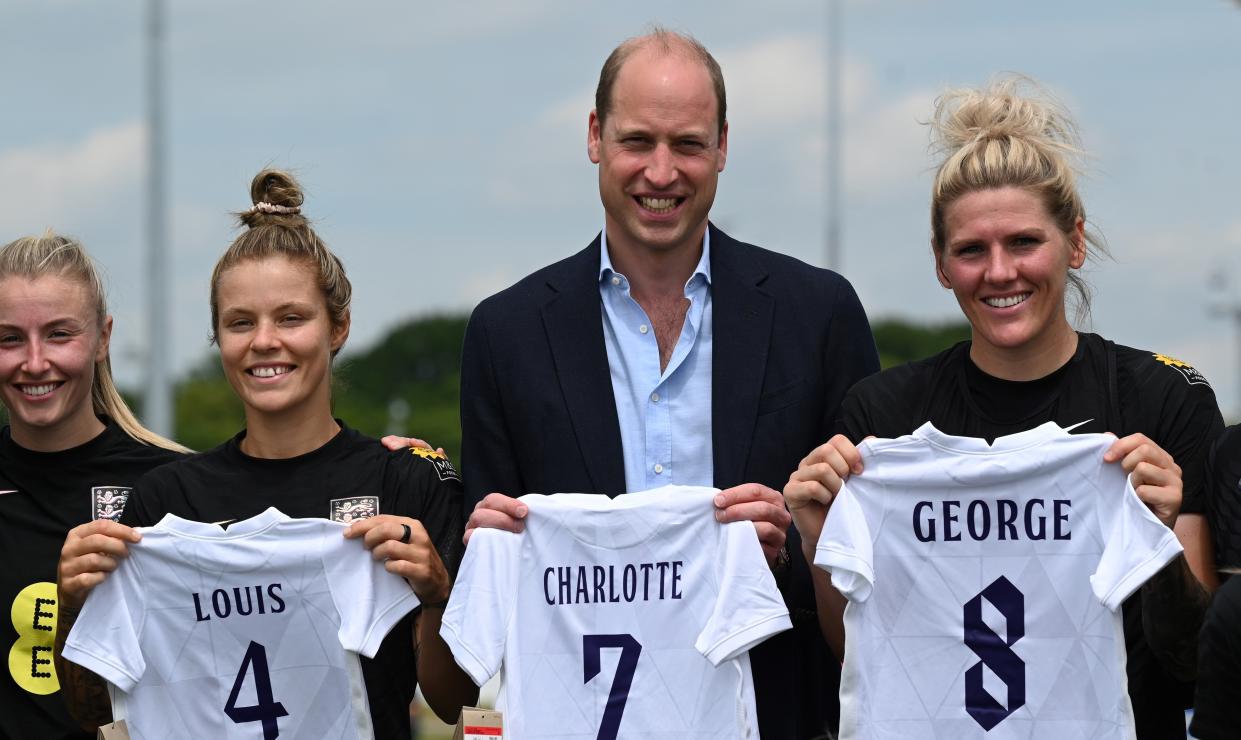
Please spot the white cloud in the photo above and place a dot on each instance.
(45, 184)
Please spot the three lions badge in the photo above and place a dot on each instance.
(107, 502)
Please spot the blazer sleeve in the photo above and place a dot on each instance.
(488, 459)
(850, 353)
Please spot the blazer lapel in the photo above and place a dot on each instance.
(741, 335)
(573, 319)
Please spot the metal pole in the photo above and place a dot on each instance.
(834, 153)
(157, 407)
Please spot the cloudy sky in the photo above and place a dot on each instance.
(443, 145)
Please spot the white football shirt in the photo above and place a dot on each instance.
(617, 618)
(985, 584)
(249, 632)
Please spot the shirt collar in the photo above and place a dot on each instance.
(703, 268)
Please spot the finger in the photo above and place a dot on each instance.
(844, 457)
(1145, 473)
(495, 520)
(822, 474)
(361, 527)
(77, 587)
(800, 494)
(505, 504)
(90, 563)
(757, 511)
(1123, 446)
(77, 547)
(105, 527)
(1152, 455)
(745, 493)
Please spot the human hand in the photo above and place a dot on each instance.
(497, 511)
(394, 442)
(89, 554)
(412, 556)
(754, 502)
(1153, 473)
(812, 487)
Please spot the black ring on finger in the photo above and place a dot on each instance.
(405, 534)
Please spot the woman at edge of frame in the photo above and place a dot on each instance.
(71, 453)
(1008, 231)
(1217, 695)
(280, 313)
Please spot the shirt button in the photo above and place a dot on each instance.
(615, 280)
(654, 398)
(658, 468)
(644, 328)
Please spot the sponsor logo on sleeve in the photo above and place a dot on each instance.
(107, 502)
(1191, 375)
(443, 467)
(346, 510)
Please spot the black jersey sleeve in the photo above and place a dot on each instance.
(1223, 492)
(144, 508)
(426, 487)
(1170, 402)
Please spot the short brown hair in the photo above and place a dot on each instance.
(667, 42)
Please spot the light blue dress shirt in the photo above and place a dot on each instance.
(665, 418)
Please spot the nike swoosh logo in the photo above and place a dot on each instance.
(222, 522)
(12, 491)
(1078, 424)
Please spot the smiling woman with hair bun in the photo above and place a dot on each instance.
(1008, 237)
(279, 315)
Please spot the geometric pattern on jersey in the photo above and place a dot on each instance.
(626, 617)
(175, 628)
(984, 585)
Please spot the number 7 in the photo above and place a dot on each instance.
(592, 649)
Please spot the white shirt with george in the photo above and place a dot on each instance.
(628, 617)
(247, 632)
(985, 585)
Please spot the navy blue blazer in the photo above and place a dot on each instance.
(538, 414)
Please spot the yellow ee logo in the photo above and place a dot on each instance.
(30, 658)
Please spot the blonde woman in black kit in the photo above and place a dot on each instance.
(280, 313)
(71, 453)
(1008, 237)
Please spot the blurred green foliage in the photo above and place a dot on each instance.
(901, 341)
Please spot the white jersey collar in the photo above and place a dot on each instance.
(974, 445)
(215, 531)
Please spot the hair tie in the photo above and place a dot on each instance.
(265, 207)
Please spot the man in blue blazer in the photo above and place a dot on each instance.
(668, 352)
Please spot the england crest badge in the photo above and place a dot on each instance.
(107, 502)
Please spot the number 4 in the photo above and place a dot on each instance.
(592, 649)
(267, 710)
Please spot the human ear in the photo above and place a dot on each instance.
(105, 339)
(1077, 244)
(594, 134)
(939, 267)
(340, 332)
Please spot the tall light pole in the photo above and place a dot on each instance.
(1229, 307)
(834, 153)
(157, 404)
